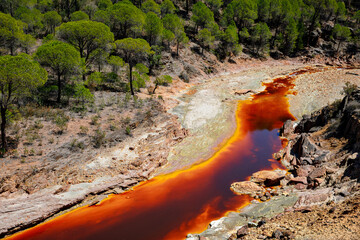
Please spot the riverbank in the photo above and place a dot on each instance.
(294, 197)
(216, 97)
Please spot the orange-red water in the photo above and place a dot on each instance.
(170, 206)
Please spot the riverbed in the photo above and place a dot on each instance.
(170, 206)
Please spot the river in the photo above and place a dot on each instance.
(172, 205)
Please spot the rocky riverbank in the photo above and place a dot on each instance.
(71, 173)
(321, 186)
(176, 135)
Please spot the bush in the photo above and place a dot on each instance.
(128, 130)
(99, 138)
(75, 145)
(348, 88)
(61, 123)
(82, 96)
(94, 120)
(94, 80)
(83, 130)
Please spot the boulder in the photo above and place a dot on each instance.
(321, 157)
(287, 128)
(303, 171)
(304, 147)
(246, 187)
(268, 177)
(243, 231)
(317, 173)
(300, 186)
(309, 198)
(302, 180)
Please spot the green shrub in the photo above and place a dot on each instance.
(128, 130)
(82, 96)
(84, 130)
(61, 122)
(94, 80)
(99, 138)
(349, 88)
(95, 120)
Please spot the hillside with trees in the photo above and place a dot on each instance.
(64, 51)
(80, 77)
(97, 30)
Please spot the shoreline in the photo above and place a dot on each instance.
(123, 181)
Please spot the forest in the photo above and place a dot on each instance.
(57, 53)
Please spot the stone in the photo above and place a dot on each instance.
(304, 170)
(277, 156)
(306, 161)
(277, 234)
(267, 195)
(317, 173)
(287, 129)
(302, 180)
(243, 231)
(319, 180)
(268, 178)
(232, 237)
(252, 224)
(300, 186)
(304, 147)
(246, 187)
(261, 222)
(330, 170)
(332, 209)
(244, 91)
(323, 157)
(314, 197)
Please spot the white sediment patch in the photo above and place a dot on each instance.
(203, 107)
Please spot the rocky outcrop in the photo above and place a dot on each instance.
(323, 162)
(28, 210)
(246, 187)
(268, 178)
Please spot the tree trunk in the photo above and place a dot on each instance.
(3, 125)
(12, 50)
(156, 85)
(177, 48)
(131, 86)
(59, 88)
(337, 50)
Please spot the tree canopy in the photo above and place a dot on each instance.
(341, 34)
(174, 24)
(61, 57)
(86, 36)
(153, 27)
(132, 51)
(51, 20)
(126, 19)
(11, 32)
(202, 15)
(18, 76)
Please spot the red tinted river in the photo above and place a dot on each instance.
(170, 206)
